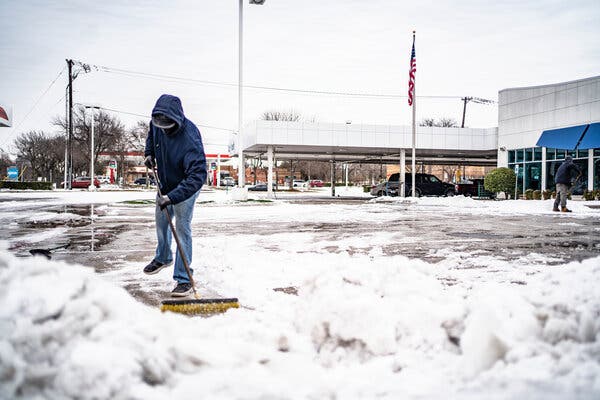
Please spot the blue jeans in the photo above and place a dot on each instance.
(183, 213)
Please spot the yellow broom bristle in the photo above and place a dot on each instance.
(199, 308)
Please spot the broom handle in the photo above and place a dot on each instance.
(179, 247)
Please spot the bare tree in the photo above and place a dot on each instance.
(274, 115)
(442, 122)
(43, 153)
(447, 123)
(5, 162)
(427, 122)
(108, 130)
(133, 139)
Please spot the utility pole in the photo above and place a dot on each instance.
(465, 100)
(474, 100)
(70, 124)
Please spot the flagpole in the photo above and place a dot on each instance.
(414, 133)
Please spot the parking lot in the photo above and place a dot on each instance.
(119, 237)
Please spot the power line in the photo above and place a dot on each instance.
(34, 106)
(148, 116)
(177, 79)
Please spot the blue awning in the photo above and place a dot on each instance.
(563, 138)
(591, 139)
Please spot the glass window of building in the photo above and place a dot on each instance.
(550, 153)
(537, 154)
(533, 176)
(582, 153)
(511, 156)
(528, 154)
(560, 154)
(519, 155)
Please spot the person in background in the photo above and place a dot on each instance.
(563, 178)
(174, 147)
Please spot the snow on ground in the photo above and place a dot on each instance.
(352, 325)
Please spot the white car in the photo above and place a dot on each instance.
(300, 184)
(103, 179)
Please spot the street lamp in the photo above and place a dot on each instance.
(242, 168)
(92, 187)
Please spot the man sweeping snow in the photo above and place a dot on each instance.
(174, 147)
(563, 178)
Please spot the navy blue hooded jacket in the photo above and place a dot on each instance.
(180, 155)
(565, 171)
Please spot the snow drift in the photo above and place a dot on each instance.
(358, 328)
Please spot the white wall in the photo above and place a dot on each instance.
(524, 113)
(359, 135)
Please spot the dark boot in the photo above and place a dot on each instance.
(555, 209)
(565, 209)
(182, 290)
(154, 267)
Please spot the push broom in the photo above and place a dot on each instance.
(196, 306)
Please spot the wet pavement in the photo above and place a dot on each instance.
(118, 239)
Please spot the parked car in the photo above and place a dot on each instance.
(228, 181)
(83, 182)
(315, 183)
(471, 187)
(261, 187)
(427, 185)
(297, 183)
(142, 181)
(103, 179)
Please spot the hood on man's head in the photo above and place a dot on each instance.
(568, 158)
(170, 106)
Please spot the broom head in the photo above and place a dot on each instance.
(199, 306)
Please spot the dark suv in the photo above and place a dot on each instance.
(427, 185)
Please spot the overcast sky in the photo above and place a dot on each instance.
(464, 48)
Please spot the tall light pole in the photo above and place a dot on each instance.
(92, 187)
(242, 168)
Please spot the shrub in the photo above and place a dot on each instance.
(25, 185)
(500, 180)
(546, 194)
(537, 195)
(588, 195)
(529, 194)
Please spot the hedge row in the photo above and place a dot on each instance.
(25, 185)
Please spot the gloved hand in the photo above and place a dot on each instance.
(149, 162)
(163, 201)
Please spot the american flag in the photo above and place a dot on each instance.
(411, 74)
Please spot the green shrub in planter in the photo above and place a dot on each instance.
(367, 188)
(537, 194)
(546, 194)
(597, 194)
(529, 194)
(500, 180)
(588, 195)
(553, 194)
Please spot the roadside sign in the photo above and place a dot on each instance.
(517, 169)
(5, 116)
(13, 173)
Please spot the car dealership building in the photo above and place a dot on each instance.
(537, 128)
